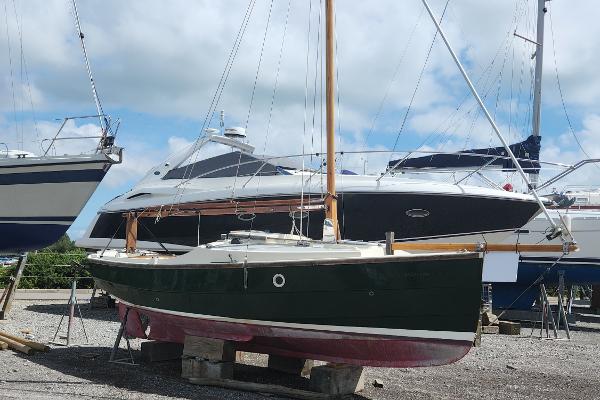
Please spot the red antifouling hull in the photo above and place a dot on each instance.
(331, 346)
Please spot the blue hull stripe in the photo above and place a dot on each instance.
(68, 219)
(27, 178)
(51, 164)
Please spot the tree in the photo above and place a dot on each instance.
(63, 245)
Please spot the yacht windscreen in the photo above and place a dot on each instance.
(225, 165)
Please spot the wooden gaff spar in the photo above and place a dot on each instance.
(245, 208)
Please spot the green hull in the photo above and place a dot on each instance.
(384, 311)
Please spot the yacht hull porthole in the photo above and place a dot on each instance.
(278, 280)
(417, 213)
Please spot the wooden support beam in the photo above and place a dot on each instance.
(12, 286)
(484, 247)
(389, 242)
(131, 232)
(17, 346)
(34, 345)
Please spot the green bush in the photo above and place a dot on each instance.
(53, 268)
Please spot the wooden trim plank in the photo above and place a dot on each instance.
(484, 247)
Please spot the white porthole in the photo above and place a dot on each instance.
(278, 280)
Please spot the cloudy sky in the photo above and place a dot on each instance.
(157, 65)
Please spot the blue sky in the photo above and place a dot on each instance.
(157, 65)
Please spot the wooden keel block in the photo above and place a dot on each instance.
(208, 349)
(198, 368)
(490, 330)
(337, 379)
(509, 328)
(488, 318)
(239, 357)
(3, 345)
(102, 302)
(153, 351)
(289, 365)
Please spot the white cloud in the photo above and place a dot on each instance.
(165, 59)
(177, 144)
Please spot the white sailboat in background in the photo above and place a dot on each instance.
(41, 195)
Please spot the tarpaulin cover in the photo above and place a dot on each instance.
(527, 150)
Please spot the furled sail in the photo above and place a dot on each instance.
(527, 152)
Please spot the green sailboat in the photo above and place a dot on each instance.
(330, 300)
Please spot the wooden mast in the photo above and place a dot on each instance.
(331, 199)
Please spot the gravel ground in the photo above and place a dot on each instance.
(504, 367)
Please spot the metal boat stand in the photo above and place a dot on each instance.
(128, 360)
(561, 314)
(547, 316)
(71, 306)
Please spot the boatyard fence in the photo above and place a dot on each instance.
(51, 270)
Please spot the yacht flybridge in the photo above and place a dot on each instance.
(219, 185)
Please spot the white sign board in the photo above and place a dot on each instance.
(500, 267)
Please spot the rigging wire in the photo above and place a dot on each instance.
(104, 125)
(318, 62)
(486, 73)
(305, 110)
(12, 79)
(560, 91)
(215, 99)
(394, 76)
(22, 94)
(275, 86)
(419, 80)
(228, 66)
(260, 58)
(24, 70)
(442, 132)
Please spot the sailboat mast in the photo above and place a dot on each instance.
(331, 200)
(104, 125)
(537, 90)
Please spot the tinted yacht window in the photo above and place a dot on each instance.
(224, 165)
